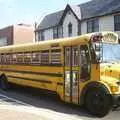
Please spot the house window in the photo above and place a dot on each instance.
(38, 36)
(79, 28)
(3, 41)
(42, 35)
(117, 22)
(69, 29)
(92, 25)
(55, 32)
(60, 32)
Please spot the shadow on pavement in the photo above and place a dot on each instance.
(41, 99)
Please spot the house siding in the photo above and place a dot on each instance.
(106, 23)
(70, 18)
(83, 27)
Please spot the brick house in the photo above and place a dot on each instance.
(92, 16)
(16, 34)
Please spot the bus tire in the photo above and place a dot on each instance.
(4, 85)
(98, 101)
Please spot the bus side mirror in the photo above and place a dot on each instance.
(98, 56)
(98, 51)
(97, 47)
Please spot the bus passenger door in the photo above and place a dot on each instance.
(71, 68)
(85, 64)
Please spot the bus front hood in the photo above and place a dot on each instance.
(110, 72)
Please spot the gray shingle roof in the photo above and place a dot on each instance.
(98, 8)
(76, 10)
(51, 20)
(89, 9)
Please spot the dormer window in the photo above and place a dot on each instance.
(70, 29)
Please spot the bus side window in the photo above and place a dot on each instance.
(14, 58)
(67, 56)
(75, 56)
(45, 57)
(8, 58)
(2, 58)
(36, 58)
(27, 58)
(84, 62)
(55, 56)
(20, 57)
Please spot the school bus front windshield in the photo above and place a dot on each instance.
(106, 49)
(107, 52)
(111, 52)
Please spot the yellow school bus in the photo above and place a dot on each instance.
(83, 70)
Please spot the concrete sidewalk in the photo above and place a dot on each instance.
(18, 113)
(12, 112)
(15, 115)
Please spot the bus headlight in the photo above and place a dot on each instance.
(114, 89)
(118, 83)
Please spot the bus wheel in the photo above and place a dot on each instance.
(4, 82)
(98, 101)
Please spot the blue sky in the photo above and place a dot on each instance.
(29, 11)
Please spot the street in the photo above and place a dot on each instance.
(25, 103)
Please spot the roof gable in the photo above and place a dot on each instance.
(74, 9)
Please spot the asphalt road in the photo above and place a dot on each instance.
(44, 106)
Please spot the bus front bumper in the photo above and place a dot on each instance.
(116, 100)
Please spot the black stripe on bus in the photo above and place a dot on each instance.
(44, 51)
(60, 83)
(55, 50)
(34, 64)
(36, 73)
(30, 79)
